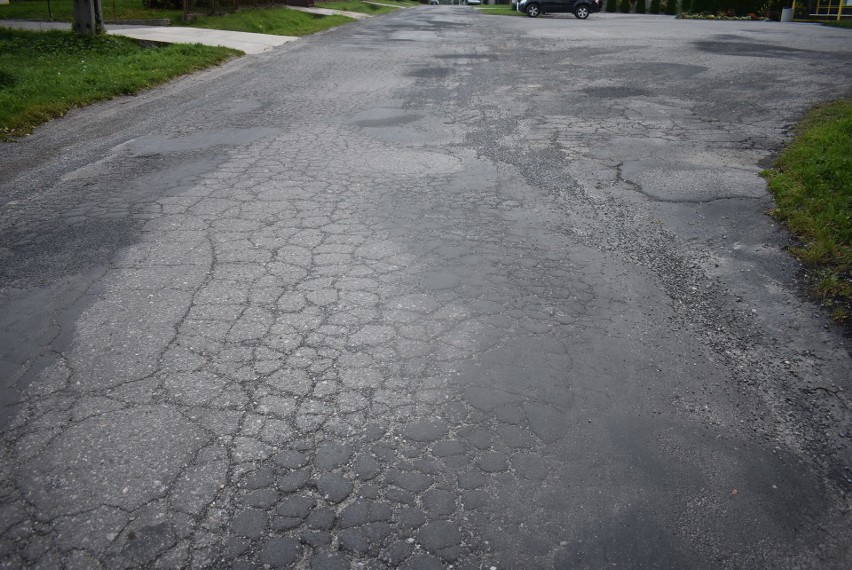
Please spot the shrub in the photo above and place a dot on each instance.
(707, 7)
(611, 5)
(163, 4)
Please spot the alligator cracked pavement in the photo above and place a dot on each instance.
(433, 289)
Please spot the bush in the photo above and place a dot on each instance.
(163, 4)
(611, 5)
(671, 7)
(707, 7)
(725, 7)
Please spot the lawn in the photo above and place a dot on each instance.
(45, 74)
(61, 10)
(812, 183)
(366, 7)
(500, 10)
(276, 21)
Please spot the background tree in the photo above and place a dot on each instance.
(624, 6)
(743, 7)
(655, 7)
(671, 7)
(704, 6)
(611, 5)
(640, 6)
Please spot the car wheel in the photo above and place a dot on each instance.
(533, 11)
(582, 12)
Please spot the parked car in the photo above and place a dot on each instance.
(580, 8)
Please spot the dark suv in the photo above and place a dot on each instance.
(580, 8)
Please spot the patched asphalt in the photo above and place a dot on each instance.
(433, 289)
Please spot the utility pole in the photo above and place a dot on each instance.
(88, 17)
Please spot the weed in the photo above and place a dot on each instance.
(812, 184)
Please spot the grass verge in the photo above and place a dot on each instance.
(45, 74)
(275, 21)
(364, 7)
(812, 183)
(62, 10)
(500, 10)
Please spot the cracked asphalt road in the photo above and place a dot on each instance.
(435, 289)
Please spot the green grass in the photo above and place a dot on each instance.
(276, 21)
(61, 10)
(812, 184)
(363, 7)
(45, 74)
(500, 10)
(836, 24)
(264, 20)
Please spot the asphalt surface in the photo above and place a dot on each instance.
(433, 289)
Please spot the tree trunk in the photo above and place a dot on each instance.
(88, 17)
